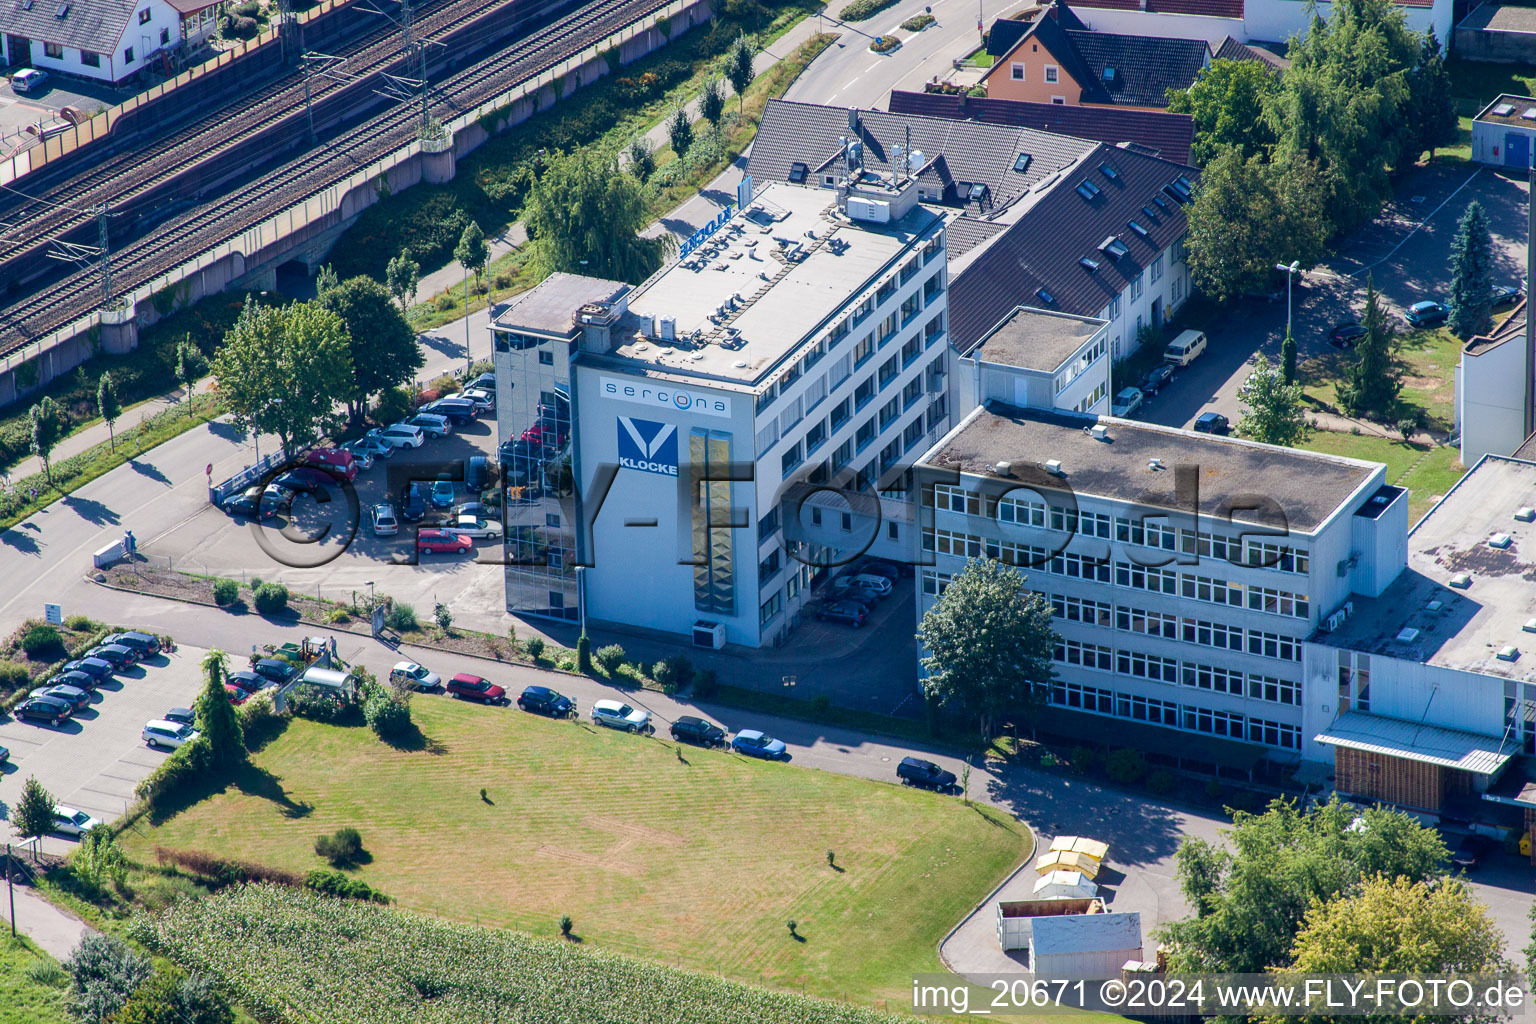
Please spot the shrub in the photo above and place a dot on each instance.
(258, 720)
(334, 883)
(862, 10)
(216, 870)
(501, 280)
(393, 405)
(401, 617)
(241, 28)
(305, 702)
(271, 598)
(225, 592)
(1214, 790)
(246, 9)
(884, 44)
(188, 763)
(40, 638)
(705, 683)
(444, 384)
(443, 616)
(1084, 758)
(104, 971)
(13, 676)
(443, 303)
(388, 717)
(821, 706)
(610, 657)
(665, 677)
(47, 973)
(1126, 766)
(535, 647)
(565, 925)
(918, 22)
(344, 846)
(1162, 782)
(337, 616)
(81, 623)
(681, 669)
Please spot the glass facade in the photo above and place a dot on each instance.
(714, 577)
(533, 409)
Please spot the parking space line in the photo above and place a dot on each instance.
(1427, 218)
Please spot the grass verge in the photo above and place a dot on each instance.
(1426, 471)
(32, 985)
(686, 856)
(1427, 359)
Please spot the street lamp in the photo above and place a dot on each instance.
(581, 596)
(1290, 273)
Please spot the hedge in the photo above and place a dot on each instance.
(863, 10)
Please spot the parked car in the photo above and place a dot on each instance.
(431, 424)
(882, 567)
(341, 462)
(459, 411)
(76, 698)
(476, 510)
(408, 673)
(71, 822)
(689, 729)
(79, 680)
(1212, 423)
(469, 687)
(275, 500)
(914, 771)
(385, 524)
(470, 526)
(362, 458)
(1471, 851)
(1185, 349)
(485, 382)
(180, 716)
(247, 503)
(442, 493)
(413, 502)
(442, 542)
(29, 80)
(544, 701)
(164, 734)
(376, 447)
(306, 479)
(145, 643)
(1156, 377)
(1427, 313)
(754, 743)
(479, 473)
(102, 670)
(486, 400)
(399, 435)
(1506, 295)
(236, 695)
(116, 655)
(616, 715)
(1344, 336)
(1126, 402)
(43, 709)
(5, 754)
(851, 612)
(273, 670)
(862, 586)
(250, 681)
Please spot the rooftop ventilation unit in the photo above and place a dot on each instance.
(1044, 296)
(1003, 469)
(669, 328)
(1109, 172)
(1509, 652)
(1461, 581)
(1524, 514)
(1053, 467)
(1434, 605)
(1151, 214)
(1099, 432)
(1503, 110)
(1529, 114)
(62, 12)
(1154, 464)
(1109, 74)
(1530, 626)
(1500, 541)
(1088, 263)
(1407, 635)
(1136, 227)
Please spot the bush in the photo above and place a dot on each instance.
(610, 657)
(334, 883)
(187, 764)
(246, 9)
(705, 683)
(443, 303)
(1126, 766)
(344, 846)
(81, 623)
(225, 592)
(401, 617)
(566, 925)
(271, 598)
(1214, 790)
(665, 677)
(393, 405)
(305, 702)
(104, 971)
(217, 871)
(862, 10)
(918, 22)
(884, 44)
(821, 706)
(241, 28)
(388, 717)
(1084, 758)
(13, 676)
(1162, 782)
(443, 616)
(40, 638)
(338, 616)
(258, 720)
(535, 647)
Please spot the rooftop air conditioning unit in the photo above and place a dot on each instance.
(1053, 466)
(877, 211)
(1461, 580)
(1004, 469)
(710, 635)
(1500, 541)
(668, 328)
(1099, 432)
(1509, 652)
(1525, 514)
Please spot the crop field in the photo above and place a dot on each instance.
(693, 858)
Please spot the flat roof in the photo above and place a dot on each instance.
(1505, 326)
(1426, 615)
(1426, 744)
(1307, 486)
(1510, 109)
(789, 262)
(1085, 933)
(550, 306)
(1036, 339)
(1501, 18)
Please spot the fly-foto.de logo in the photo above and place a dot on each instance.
(647, 446)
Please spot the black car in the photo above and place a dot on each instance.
(485, 380)
(1345, 335)
(851, 612)
(274, 670)
(459, 411)
(102, 670)
(147, 643)
(544, 701)
(79, 680)
(413, 503)
(689, 729)
(1506, 295)
(116, 655)
(1156, 377)
(43, 709)
(1471, 850)
(478, 509)
(1213, 423)
(304, 478)
(250, 682)
(914, 771)
(247, 503)
(478, 473)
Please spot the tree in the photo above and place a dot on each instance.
(738, 68)
(988, 647)
(325, 279)
(281, 369)
(216, 716)
(585, 217)
(402, 276)
(99, 859)
(170, 998)
(472, 252)
(382, 345)
(1472, 274)
(108, 406)
(47, 428)
(642, 158)
(1251, 893)
(712, 102)
(679, 132)
(103, 973)
(1433, 117)
(32, 817)
(1275, 414)
(1247, 217)
(1226, 102)
(189, 365)
(1371, 385)
(1288, 357)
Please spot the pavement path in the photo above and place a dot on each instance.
(56, 932)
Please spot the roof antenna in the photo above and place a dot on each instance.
(906, 156)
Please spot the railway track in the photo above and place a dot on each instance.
(169, 243)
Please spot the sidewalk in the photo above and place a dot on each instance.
(55, 932)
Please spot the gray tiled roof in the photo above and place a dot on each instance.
(1168, 134)
(1231, 49)
(971, 152)
(1145, 68)
(94, 25)
(1041, 250)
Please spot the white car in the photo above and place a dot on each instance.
(28, 80)
(416, 676)
(70, 822)
(484, 400)
(385, 523)
(615, 715)
(866, 586)
(1126, 402)
(164, 734)
(360, 454)
(469, 526)
(398, 435)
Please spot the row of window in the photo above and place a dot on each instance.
(1140, 665)
(1080, 365)
(1210, 721)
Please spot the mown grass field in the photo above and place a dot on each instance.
(1427, 472)
(1427, 359)
(689, 857)
(23, 998)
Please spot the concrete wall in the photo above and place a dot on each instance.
(1490, 401)
(1278, 20)
(1497, 47)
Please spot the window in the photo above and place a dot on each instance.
(1114, 308)
(128, 55)
(1022, 163)
(886, 291)
(1203, 588)
(1211, 634)
(791, 459)
(1018, 72)
(1276, 691)
(768, 566)
(843, 455)
(89, 59)
(552, 519)
(950, 498)
(888, 327)
(770, 608)
(797, 172)
(1073, 652)
(1059, 101)
(1136, 292)
(1157, 268)
(888, 371)
(841, 412)
(842, 369)
(865, 434)
(1147, 666)
(1278, 602)
(892, 531)
(815, 516)
(1146, 709)
(1135, 620)
(847, 522)
(54, 50)
(1080, 609)
(864, 392)
(1136, 227)
(546, 358)
(144, 16)
(816, 436)
(933, 286)
(165, 36)
(912, 392)
(1277, 556)
(910, 307)
(1217, 680)
(911, 350)
(1076, 695)
(933, 330)
(912, 435)
(863, 350)
(1137, 577)
(1052, 74)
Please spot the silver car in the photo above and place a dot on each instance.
(163, 734)
(620, 716)
(385, 522)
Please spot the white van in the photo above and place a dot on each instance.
(1185, 349)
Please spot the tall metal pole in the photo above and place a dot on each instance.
(309, 106)
(1530, 322)
(10, 888)
(468, 362)
(1290, 273)
(106, 254)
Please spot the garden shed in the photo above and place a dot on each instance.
(1503, 131)
(1016, 919)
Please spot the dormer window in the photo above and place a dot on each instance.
(1087, 189)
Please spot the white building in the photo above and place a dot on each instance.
(1037, 359)
(1245, 20)
(1493, 393)
(803, 344)
(105, 40)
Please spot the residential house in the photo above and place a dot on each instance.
(104, 40)
(1244, 20)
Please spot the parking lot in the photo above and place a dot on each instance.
(93, 761)
(19, 109)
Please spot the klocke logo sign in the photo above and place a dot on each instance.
(647, 446)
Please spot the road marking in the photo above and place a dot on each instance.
(1427, 218)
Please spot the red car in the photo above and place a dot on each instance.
(548, 434)
(467, 687)
(236, 695)
(441, 542)
(337, 460)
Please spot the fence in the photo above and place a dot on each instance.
(245, 478)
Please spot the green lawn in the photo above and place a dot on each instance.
(690, 857)
(26, 996)
(1426, 472)
(1428, 361)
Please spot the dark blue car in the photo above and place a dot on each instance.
(754, 743)
(91, 666)
(544, 701)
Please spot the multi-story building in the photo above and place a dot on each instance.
(800, 347)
